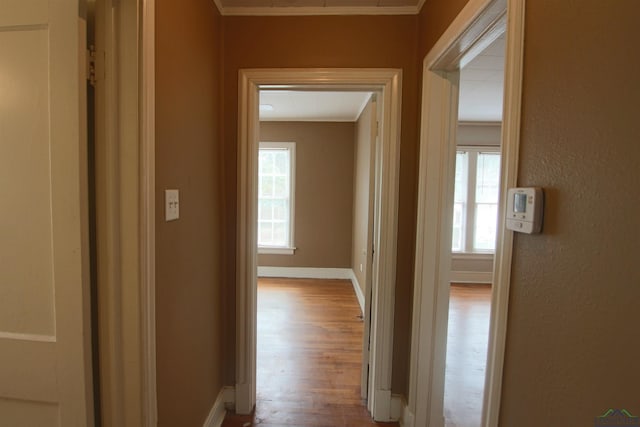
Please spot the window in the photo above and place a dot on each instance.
(276, 172)
(475, 209)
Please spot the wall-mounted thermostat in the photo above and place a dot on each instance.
(524, 209)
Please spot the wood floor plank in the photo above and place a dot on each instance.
(309, 356)
(467, 340)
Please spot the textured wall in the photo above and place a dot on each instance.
(327, 41)
(188, 250)
(572, 344)
(323, 192)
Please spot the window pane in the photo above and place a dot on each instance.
(265, 186)
(280, 234)
(265, 209)
(488, 178)
(457, 243)
(281, 162)
(280, 210)
(265, 161)
(484, 236)
(462, 171)
(281, 186)
(460, 200)
(265, 234)
(274, 194)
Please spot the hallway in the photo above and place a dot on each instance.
(309, 356)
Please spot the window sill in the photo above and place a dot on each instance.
(267, 250)
(472, 255)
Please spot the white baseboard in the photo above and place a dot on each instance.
(395, 412)
(315, 273)
(358, 290)
(471, 277)
(305, 272)
(218, 411)
(408, 418)
(229, 397)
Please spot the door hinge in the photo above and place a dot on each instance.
(377, 128)
(95, 65)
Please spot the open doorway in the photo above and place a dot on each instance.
(477, 25)
(387, 83)
(475, 215)
(315, 169)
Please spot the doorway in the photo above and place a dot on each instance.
(477, 25)
(316, 176)
(387, 82)
(475, 211)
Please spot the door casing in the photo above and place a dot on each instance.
(388, 82)
(470, 32)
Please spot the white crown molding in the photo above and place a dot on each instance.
(318, 11)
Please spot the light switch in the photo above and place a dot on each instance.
(172, 205)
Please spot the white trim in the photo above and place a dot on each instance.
(433, 237)
(389, 82)
(229, 396)
(471, 277)
(357, 289)
(397, 406)
(471, 204)
(218, 411)
(272, 250)
(464, 256)
(305, 272)
(315, 273)
(408, 419)
(290, 147)
(504, 249)
(322, 11)
(147, 216)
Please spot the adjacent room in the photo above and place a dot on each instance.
(475, 210)
(315, 211)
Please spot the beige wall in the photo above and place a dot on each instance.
(326, 41)
(188, 251)
(572, 345)
(572, 348)
(324, 192)
(362, 185)
(479, 133)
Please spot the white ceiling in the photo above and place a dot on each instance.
(312, 106)
(481, 87)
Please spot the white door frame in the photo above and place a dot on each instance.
(125, 188)
(388, 81)
(469, 32)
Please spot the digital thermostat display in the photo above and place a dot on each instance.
(524, 209)
(519, 202)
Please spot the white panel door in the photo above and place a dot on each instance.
(45, 370)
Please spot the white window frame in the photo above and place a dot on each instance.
(470, 217)
(290, 248)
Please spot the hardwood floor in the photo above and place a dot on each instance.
(309, 356)
(468, 335)
(309, 339)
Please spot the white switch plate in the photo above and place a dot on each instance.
(171, 205)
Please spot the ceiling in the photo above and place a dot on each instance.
(312, 106)
(318, 7)
(481, 88)
(481, 85)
